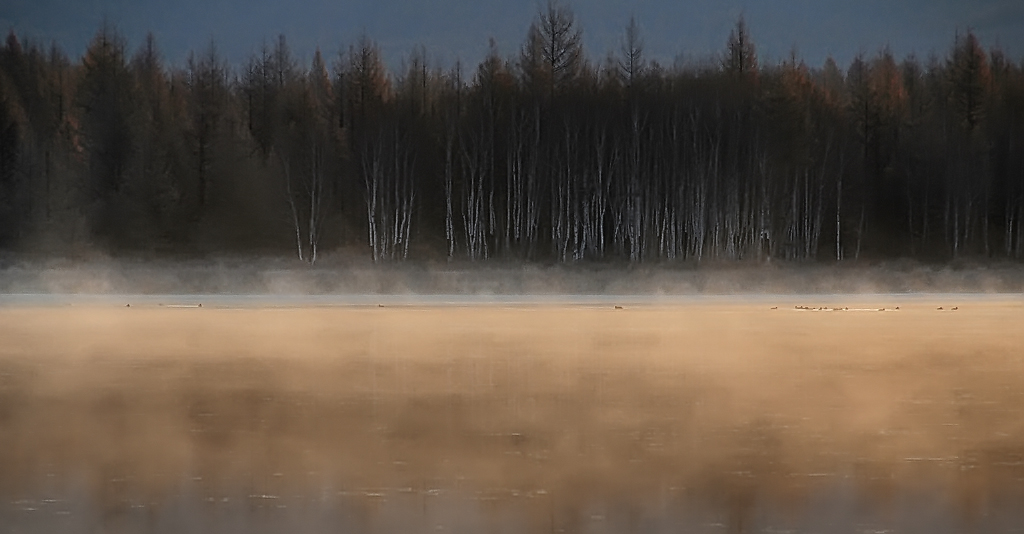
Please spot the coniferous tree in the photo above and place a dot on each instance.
(207, 94)
(9, 155)
(741, 54)
(553, 54)
(107, 105)
(631, 63)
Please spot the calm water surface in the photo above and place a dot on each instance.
(537, 417)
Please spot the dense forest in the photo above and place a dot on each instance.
(544, 155)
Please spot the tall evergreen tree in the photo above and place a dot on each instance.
(552, 56)
(741, 55)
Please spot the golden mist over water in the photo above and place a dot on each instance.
(702, 416)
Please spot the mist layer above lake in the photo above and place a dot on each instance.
(825, 415)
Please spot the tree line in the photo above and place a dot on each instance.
(544, 155)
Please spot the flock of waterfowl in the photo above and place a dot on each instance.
(799, 307)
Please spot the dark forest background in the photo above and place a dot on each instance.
(543, 156)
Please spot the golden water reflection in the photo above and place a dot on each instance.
(697, 418)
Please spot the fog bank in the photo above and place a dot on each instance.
(340, 276)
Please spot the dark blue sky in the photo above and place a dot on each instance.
(453, 29)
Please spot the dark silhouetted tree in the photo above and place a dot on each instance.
(107, 103)
(631, 62)
(552, 56)
(741, 55)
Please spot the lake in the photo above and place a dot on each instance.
(762, 414)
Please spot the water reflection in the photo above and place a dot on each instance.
(699, 419)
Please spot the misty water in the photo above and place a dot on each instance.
(769, 414)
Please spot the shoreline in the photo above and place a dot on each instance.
(414, 300)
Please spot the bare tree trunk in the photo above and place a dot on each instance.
(371, 162)
(985, 218)
(291, 204)
(860, 231)
(316, 193)
(839, 210)
(514, 184)
(449, 170)
(1020, 227)
(947, 219)
(475, 155)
